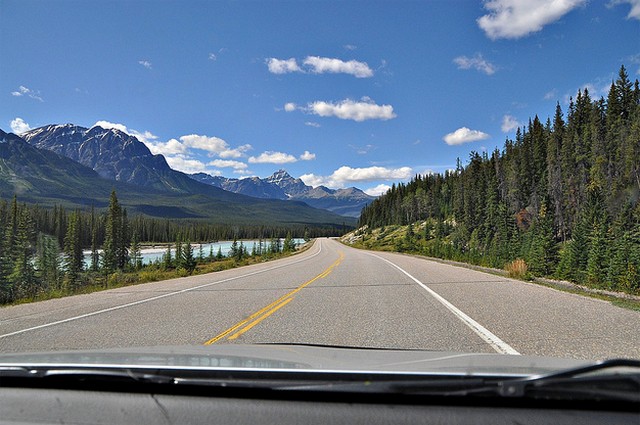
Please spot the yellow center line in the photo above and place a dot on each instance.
(260, 319)
(268, 310)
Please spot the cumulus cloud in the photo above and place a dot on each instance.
(380, 189)
(464, 135)
(19, 126)
(186, 165)
(634, 13)
(171, 147)
(282, 66)
(348, 109)
(319, 65)
(205, 143)
(477, 62)
(290, 107)
(109, 125)
(346, 175)
(145, 137)
(271, 157)
(238, 152)
(307, 156)
(26, 91)
(145, 63)
(221, 163)
(509, 123)
(519, 18)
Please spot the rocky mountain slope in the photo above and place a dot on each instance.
(346, 202)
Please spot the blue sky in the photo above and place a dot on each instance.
(340, 93)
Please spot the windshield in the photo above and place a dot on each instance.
(459, 178)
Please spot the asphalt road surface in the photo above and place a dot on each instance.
(336, 295)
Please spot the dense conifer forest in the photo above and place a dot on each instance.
(41, 249)
(563, 197)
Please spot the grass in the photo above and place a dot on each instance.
(148, 274)
(384, 239)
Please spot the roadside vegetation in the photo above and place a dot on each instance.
(41, 250)
(559, 201)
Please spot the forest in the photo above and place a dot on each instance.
(41, 249)
(561, 199)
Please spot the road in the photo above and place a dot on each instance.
(333, 294)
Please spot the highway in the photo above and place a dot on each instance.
(333, 294)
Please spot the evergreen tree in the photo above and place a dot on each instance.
(188, 261)
(23, 274)
(74, 259)
(113, 242)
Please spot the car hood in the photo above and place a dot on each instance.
(294, 357)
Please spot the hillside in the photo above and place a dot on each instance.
(280, 185)
(47, 178)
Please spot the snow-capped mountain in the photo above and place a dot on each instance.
(281, 185)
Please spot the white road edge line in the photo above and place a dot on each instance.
(496, 343)
(146, 300)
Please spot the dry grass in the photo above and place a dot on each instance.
(517, 269)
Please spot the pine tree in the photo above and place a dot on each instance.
(74, 259)
(188, 261)
(23, 274)
(113, 241)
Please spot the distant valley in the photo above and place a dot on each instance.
(347, 202)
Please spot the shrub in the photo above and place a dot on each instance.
(517, 269)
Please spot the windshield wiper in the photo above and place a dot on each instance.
(580, 382)
(571, 384)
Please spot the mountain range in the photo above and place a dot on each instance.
(78, 167)
(347, 202)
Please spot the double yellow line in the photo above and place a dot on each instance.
(243, 326)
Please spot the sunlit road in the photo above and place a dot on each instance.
(333, 294)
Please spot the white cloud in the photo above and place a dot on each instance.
(464, 135)
(380, 189)
(346, 175)
(213, 57)
(145, 137)
(171, 147)
(349, 109)
(509, 123)
(282, 66)
(19, 126)
(519, 18)
(319, 65)
(221, 163)
(186, 165)
(26, 91)
(290, 106)
(307, 156)
(477, 62)
(109, 125)
(634, 13)
(312, 124)
(238, 152)
(551, 94)
(145, 63)
(205, 143)
(270, 157)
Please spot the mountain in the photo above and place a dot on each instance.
(45, 177)
(346, 202)
(115, 155)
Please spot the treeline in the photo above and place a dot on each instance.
(563, 196)
(41, 250)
